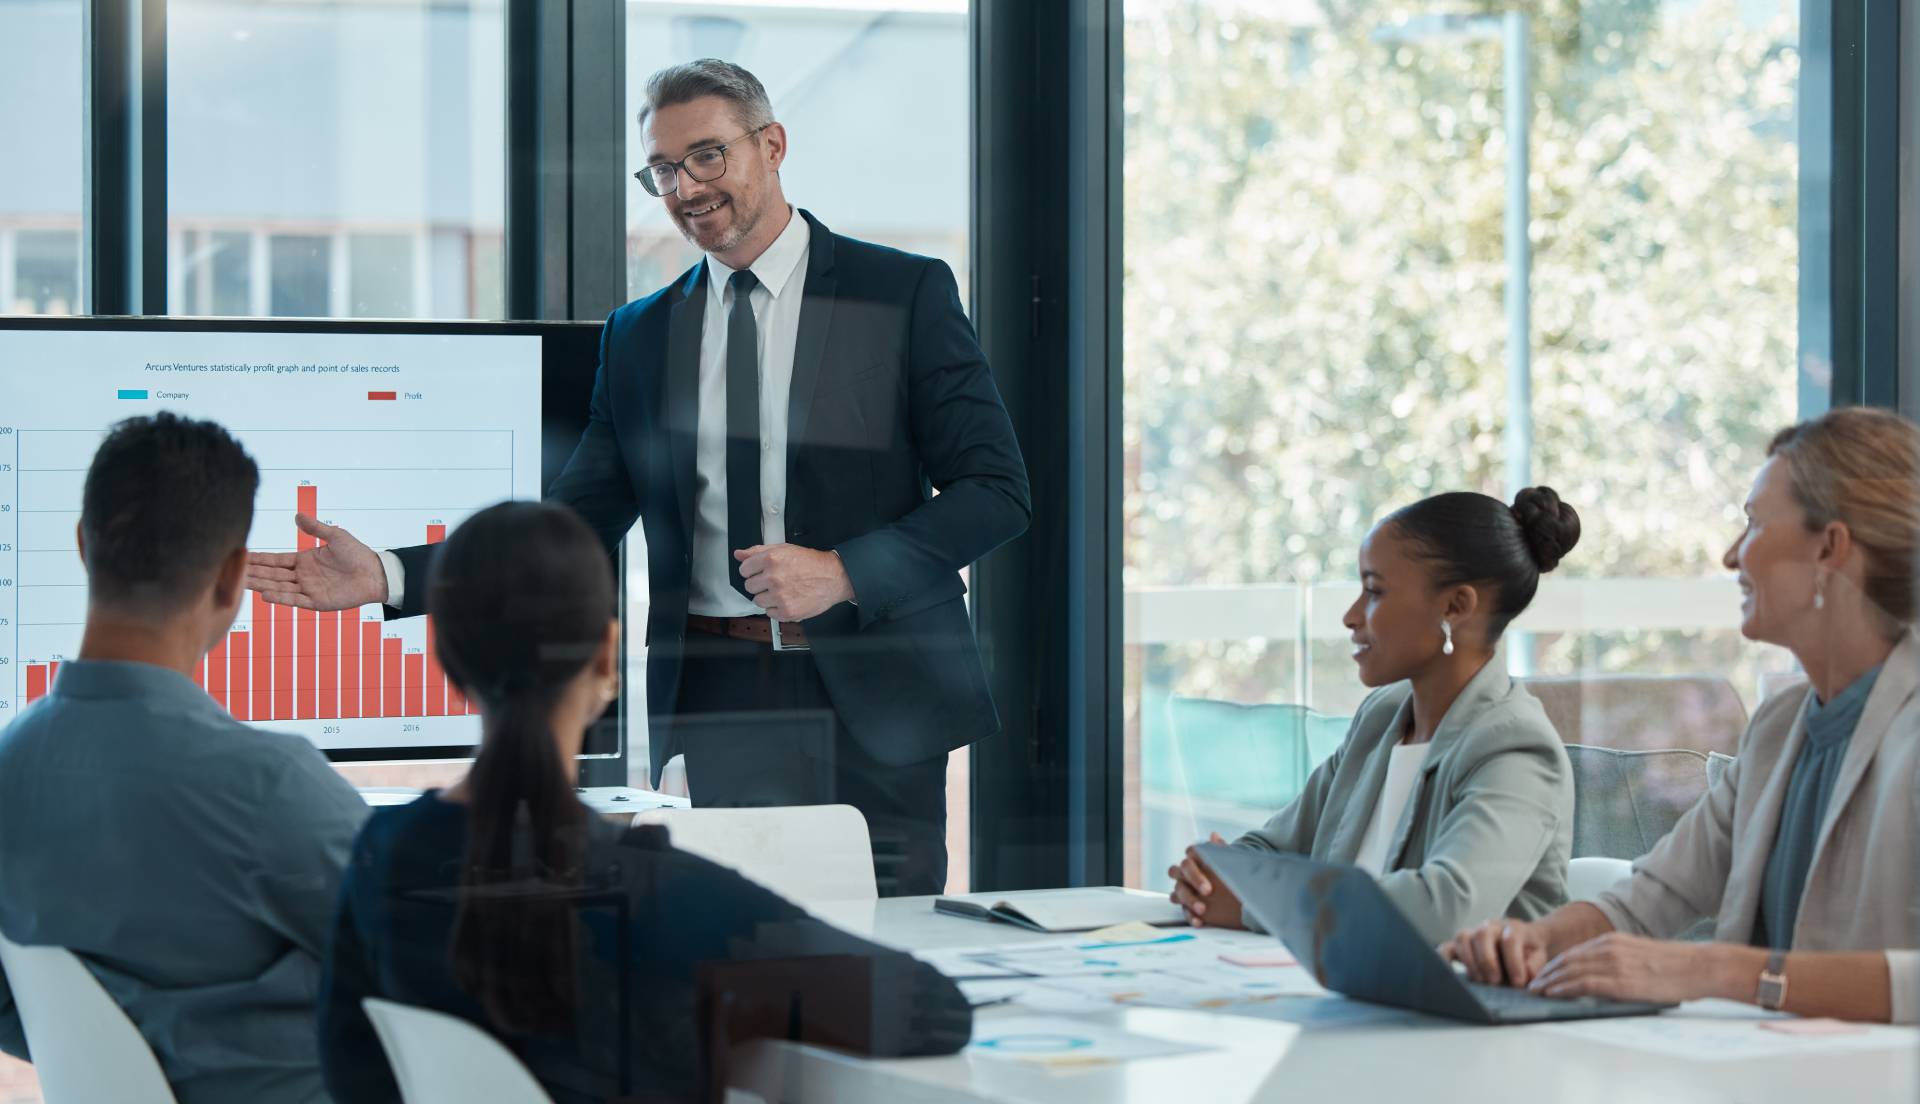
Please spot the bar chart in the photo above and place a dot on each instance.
(288, 664)
(394, 466)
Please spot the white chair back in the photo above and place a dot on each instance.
(1593, 875)
(802, 852)
(442, 1059)
(85, 1049)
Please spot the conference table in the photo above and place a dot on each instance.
(1320, 1046)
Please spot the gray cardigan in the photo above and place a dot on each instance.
(1863, 887)
(1489, 828)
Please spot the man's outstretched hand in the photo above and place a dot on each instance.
(340, 574)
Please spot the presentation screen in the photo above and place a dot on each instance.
(397, 433)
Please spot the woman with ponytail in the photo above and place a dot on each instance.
(1451, 786)
(505, 901)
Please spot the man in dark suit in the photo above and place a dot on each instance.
(779, 419)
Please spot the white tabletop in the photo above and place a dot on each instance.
(1323, 1048)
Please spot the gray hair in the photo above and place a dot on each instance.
(692, 80)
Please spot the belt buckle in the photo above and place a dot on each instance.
(780, 647)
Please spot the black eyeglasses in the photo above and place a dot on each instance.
(662, 178)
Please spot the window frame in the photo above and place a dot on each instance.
(1047, 249)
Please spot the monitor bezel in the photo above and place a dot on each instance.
(581, 387)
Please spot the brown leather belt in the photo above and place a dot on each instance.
(757, 629)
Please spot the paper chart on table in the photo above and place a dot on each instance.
(1053, 1041)
(1723, 1031)
(1069, 957)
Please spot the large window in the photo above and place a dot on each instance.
(336, 158)
(42, 154)
(42, 144)
(1317, 327)
(875, 99)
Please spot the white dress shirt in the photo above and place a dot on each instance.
(1403, 778)
(781, 272)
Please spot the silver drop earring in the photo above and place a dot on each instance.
(1446, 630)
(1819, 592)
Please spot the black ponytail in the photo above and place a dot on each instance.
(1474, 538)
(521, 596)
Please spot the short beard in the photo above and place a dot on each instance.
(730, 239)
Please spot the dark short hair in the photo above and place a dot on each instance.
(1475, 538)
(166, 499)
(693, 80)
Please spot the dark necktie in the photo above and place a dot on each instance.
(743, 424)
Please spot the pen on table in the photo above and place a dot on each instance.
(990, 1003)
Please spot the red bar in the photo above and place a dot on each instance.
(261, 706)
(436, 679)
(308, 499)
(329, 665)
(53, 672)
(36, 682)
(370, 669)
(350, 663)
(415, 704)
(440, 694)
(307, 706)
(217, 673)
(282, 663)
(383, 396)
(390, 677)
(240, 697)
(309, 697)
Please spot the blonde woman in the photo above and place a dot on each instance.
(1804, 853)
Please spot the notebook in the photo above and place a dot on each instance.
(1064, 910)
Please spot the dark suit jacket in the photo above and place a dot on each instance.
(891, 400)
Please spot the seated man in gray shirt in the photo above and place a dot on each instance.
(190, 860)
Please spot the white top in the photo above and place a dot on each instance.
(1403, 773)
(781, 271)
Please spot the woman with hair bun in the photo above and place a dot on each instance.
(1451, 786)
(1805, 853)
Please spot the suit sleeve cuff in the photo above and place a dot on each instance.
(396, 578)
(1903, 986)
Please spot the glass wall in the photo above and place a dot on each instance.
(42, 191)
(336, 158)
(875, 98)
(42, 184)
(1317, 331)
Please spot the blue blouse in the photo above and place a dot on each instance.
(1829, 730)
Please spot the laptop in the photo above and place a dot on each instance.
(1354, 940)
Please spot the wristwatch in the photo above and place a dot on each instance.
(1773, 982)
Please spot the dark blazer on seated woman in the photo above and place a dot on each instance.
(1486, 833)
(645, 906)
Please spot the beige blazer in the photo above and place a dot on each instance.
(1863, 889)
(1489, 827)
